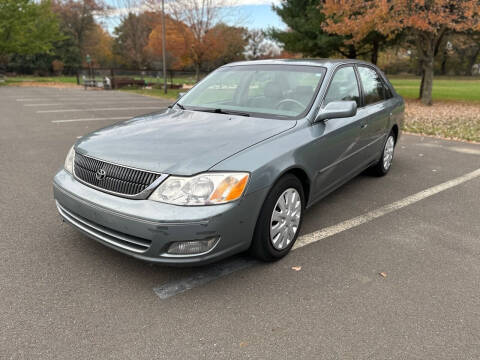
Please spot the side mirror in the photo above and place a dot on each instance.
(180, 95)
(336, 110)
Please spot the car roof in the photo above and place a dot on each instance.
(301, 62)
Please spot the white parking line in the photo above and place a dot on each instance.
(374, 214)
(96, 102)
(209, 274)
(92, 119)
(459, 149)
(102, 109)
(78, 98)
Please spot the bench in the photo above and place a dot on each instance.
(122, 82)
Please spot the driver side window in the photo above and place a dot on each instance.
(343, 87)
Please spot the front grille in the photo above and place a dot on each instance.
(115, 178)
(102, 233)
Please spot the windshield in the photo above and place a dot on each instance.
(283, 91)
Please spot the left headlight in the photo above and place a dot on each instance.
(203, 189)
(69, 160)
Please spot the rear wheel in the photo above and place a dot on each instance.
(280, 219)
(384, 164)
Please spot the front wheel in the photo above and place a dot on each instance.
(280, 219)
(383, 165)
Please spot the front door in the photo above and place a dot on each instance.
(338, 144)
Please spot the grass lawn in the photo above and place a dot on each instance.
(444, 88)
(41, 79)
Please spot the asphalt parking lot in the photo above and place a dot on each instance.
(390, 267)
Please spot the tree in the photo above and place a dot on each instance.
(77, 22)
(258, 44)
(27, 28)
(178, 40)
(132, 38)
(227, 43)
(199, 16)
(224, 43)
(99, 45)
(428, 21)
(305, 33)
(360, 28)
(467, 47)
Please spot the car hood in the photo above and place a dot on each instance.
(178, 142)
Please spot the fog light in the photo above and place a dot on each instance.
(192, 247)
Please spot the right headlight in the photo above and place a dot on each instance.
(203, 189)
(69, 160)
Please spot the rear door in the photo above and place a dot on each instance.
(376, 110)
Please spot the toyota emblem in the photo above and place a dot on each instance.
(101, 174)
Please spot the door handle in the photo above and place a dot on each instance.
(363, 126)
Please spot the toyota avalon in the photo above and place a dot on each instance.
(233, 164)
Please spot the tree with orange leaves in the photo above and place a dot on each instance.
(219, 45)
(428, 21)
(178, 40)
(200, 17)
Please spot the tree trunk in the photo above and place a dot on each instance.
(426, 47)
(422, 81)
(352, 52)
(197, 72)
(375, 48)
(472, 60)
(443, 69)
(427, 83)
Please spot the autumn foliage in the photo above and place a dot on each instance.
(427, 21)
(184, 49)
(178, 41)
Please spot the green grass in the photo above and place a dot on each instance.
(444, 88)
(462, 89)
(42, 79)
(465, 89)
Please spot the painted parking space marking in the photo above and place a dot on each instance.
(112, 102)
(384, 210)
(92, 119)
(210, 274)
(459, 149)
(203, 277)
(77, 98)
(102, 109)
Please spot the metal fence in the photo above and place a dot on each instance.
(115, 78)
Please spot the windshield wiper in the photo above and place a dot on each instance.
(224, 111)
(176, 104)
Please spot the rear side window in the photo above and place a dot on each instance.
(343, 86)
(374, 88)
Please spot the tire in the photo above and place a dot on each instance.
(266, 245)
(382, 167)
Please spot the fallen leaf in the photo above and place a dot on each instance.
(383, 274)
(296, 268)
(243, 344)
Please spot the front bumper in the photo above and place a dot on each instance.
(145, 229)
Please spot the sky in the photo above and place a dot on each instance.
(260, 16)
(253, 14)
